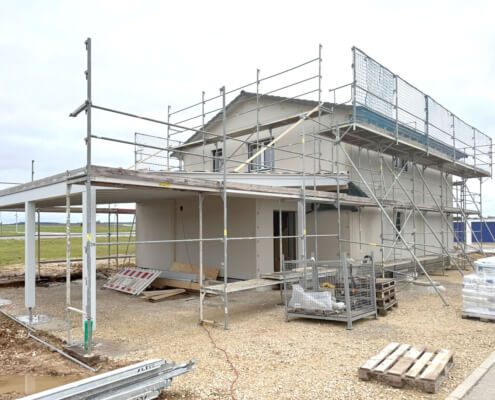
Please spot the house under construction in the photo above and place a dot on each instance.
(275, 171)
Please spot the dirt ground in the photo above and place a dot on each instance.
(21, 355)
(302, 359)
(58, 269)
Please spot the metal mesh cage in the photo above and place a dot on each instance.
(338, 290)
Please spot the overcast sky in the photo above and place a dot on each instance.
(149, 54)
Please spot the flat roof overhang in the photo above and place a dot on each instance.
(116, 185)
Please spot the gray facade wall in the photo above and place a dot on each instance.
(254, 217)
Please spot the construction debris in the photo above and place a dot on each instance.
(399, 363)
(143, 380)
(185, 276)
(160, 295)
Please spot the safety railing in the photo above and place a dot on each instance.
(383, 99)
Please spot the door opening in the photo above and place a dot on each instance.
(289, 245)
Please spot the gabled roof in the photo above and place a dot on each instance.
(249, 95)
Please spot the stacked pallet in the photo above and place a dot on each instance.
(385, 295)
(399, 364)
(478, 291)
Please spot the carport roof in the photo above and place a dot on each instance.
(116, 185)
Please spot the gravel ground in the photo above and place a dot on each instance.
(302, 359)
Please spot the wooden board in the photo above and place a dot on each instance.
(419, 365)
(240, 286)
(375, 360)
(392, 358)
(399, 364)
(161, 283)
(405, 362)
(210, 274)
(436, 365)
(384, 310)
(384, 283)
(160, 295)
(480, 317)
(380, 294)
(386, 302)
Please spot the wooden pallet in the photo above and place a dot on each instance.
(384, 283)
(383, 310)
(399, 364)
(381, 294)
(479, 317)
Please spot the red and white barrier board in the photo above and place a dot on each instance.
(132, 280)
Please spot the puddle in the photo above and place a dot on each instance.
(5, 302)
(29, 384)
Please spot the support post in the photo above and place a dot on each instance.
(203, 128)
(168, 138)
(109, 237)
(89, 209)
(354, 83)
(39, 243)
(454, 155)
(117, 238)
(67, 262)
(280, 248)
(396, 108)
(258, 114)
(89, 261)
(301, 230)
(427, 125)
(224, 197)
(373, 284)
(200, 236)
(29, 254)
(347, 296)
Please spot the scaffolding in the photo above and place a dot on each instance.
(373, 150)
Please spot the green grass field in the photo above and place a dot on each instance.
(9, 229)
(12, 250)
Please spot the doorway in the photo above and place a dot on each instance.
(289, 245)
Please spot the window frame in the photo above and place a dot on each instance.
(400, 163)
(217, 159)
(261, 163)
(398, 223)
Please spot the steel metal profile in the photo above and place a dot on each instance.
(143, 380)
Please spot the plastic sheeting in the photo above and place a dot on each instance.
(314, 301)
(478, 289)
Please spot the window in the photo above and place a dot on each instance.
(398, 223)
(400, 163)
(217, 155)
(263, 162)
